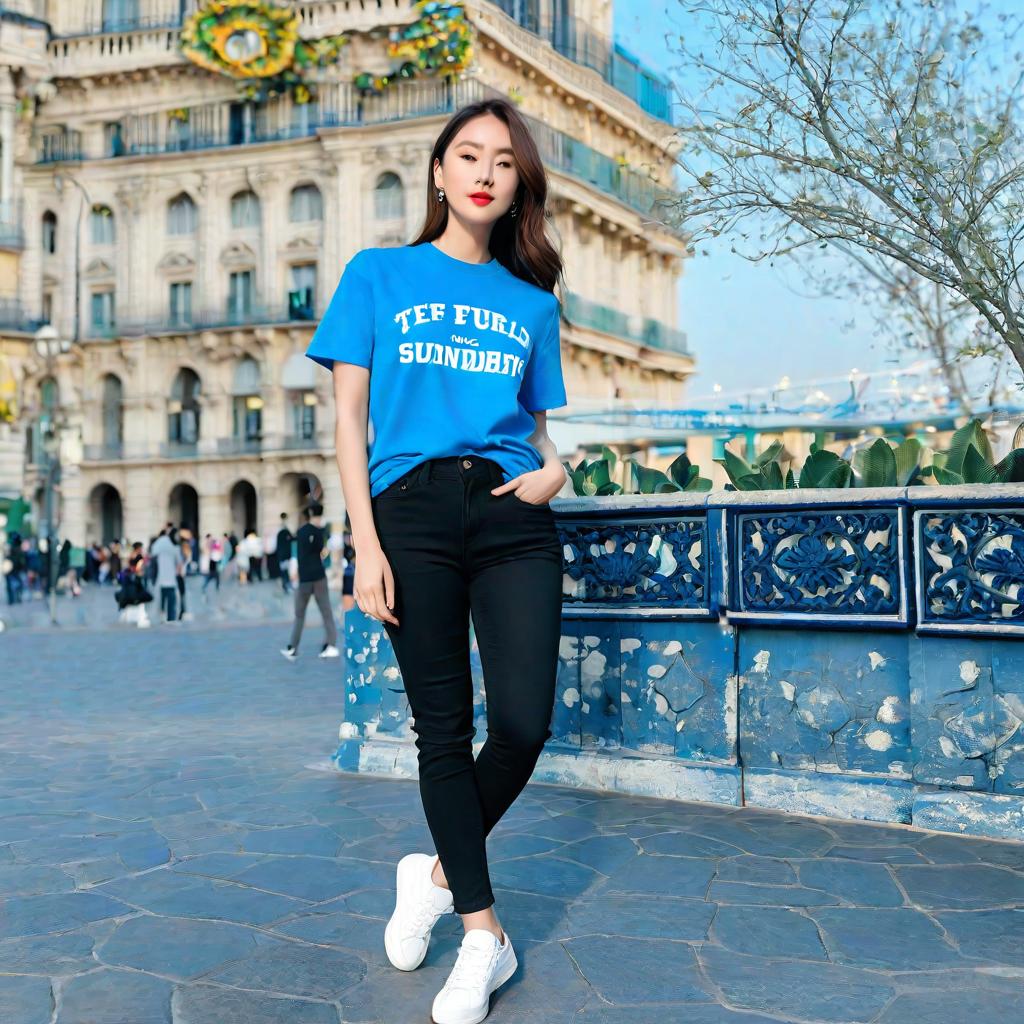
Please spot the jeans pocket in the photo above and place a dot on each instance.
(530, 504)
(407, 484)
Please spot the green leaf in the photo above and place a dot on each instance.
(969, 434)
(699, 483)
(768, 455)
(908, 461)
(680, 469)
(821, 465)
(771, 473)
(875, 466)
(750, 482)
(610, 457)
(734, 466)
(649, 479)
(945, 476)
(1010, 469)
(597, 473)
(610, 488)
(976, 468)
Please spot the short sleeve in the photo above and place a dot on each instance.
(345, 332)
(542, 386)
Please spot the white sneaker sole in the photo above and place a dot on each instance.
(391, 946)
(496, 983)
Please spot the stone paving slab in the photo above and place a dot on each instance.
(175, 849)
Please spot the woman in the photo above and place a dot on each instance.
(449, 510)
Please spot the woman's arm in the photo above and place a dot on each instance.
(374, 585)
(539, 485)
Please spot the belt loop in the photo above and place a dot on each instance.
(428, 473)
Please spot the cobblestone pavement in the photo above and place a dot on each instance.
(173, 849)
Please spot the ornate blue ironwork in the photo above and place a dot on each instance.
(830, 564)
(971, 567)
(660, 562)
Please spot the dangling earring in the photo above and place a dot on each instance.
(440, 195)
(512, 210)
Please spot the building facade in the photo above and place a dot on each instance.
(182, 235)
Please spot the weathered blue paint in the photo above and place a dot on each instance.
(766, 648)
(967, 703)
(825, 702)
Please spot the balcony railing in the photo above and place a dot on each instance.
(340, 105)
(248, 316)
(631, 327)
(108, 451)
(574, 39)
(239, 445)
(14, 316)
(141, 451)
(58, 146)
(179, 449)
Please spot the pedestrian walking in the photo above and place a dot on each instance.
(167, 556)
(214, 553)
(132, 595)
(254, 548)
(283, 553)
(309, 543)
(15, 565)
(450, 512)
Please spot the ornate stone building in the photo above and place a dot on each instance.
(182, 237)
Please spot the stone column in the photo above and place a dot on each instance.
(7, 101)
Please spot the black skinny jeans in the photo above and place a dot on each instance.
(455, 550)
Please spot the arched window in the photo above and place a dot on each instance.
(245, 210)
(183, 408)
(49, 231)
(181, 215)
(389, 197)
(113, 411)
(306, 204)
(101, 225)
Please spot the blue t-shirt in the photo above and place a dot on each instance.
(460, 354)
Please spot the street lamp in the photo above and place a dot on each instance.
(49, 345)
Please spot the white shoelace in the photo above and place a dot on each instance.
(425, 916)
(471, 967)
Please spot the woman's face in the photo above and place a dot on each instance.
(479, 160)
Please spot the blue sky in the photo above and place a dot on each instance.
(747, 323)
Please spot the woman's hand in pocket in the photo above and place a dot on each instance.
(374, 585)
(536, 487)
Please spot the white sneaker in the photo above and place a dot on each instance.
(418, 905)
(329, 651)
(483, 965)
(290, 653)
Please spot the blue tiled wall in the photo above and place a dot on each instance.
(846, 653)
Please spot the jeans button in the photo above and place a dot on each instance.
(466, 463)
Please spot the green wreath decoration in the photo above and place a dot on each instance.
(257, 43)
(438, 43)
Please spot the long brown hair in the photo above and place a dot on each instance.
(519, 243)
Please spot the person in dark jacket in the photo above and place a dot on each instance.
(283, 552)
(309, 544)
